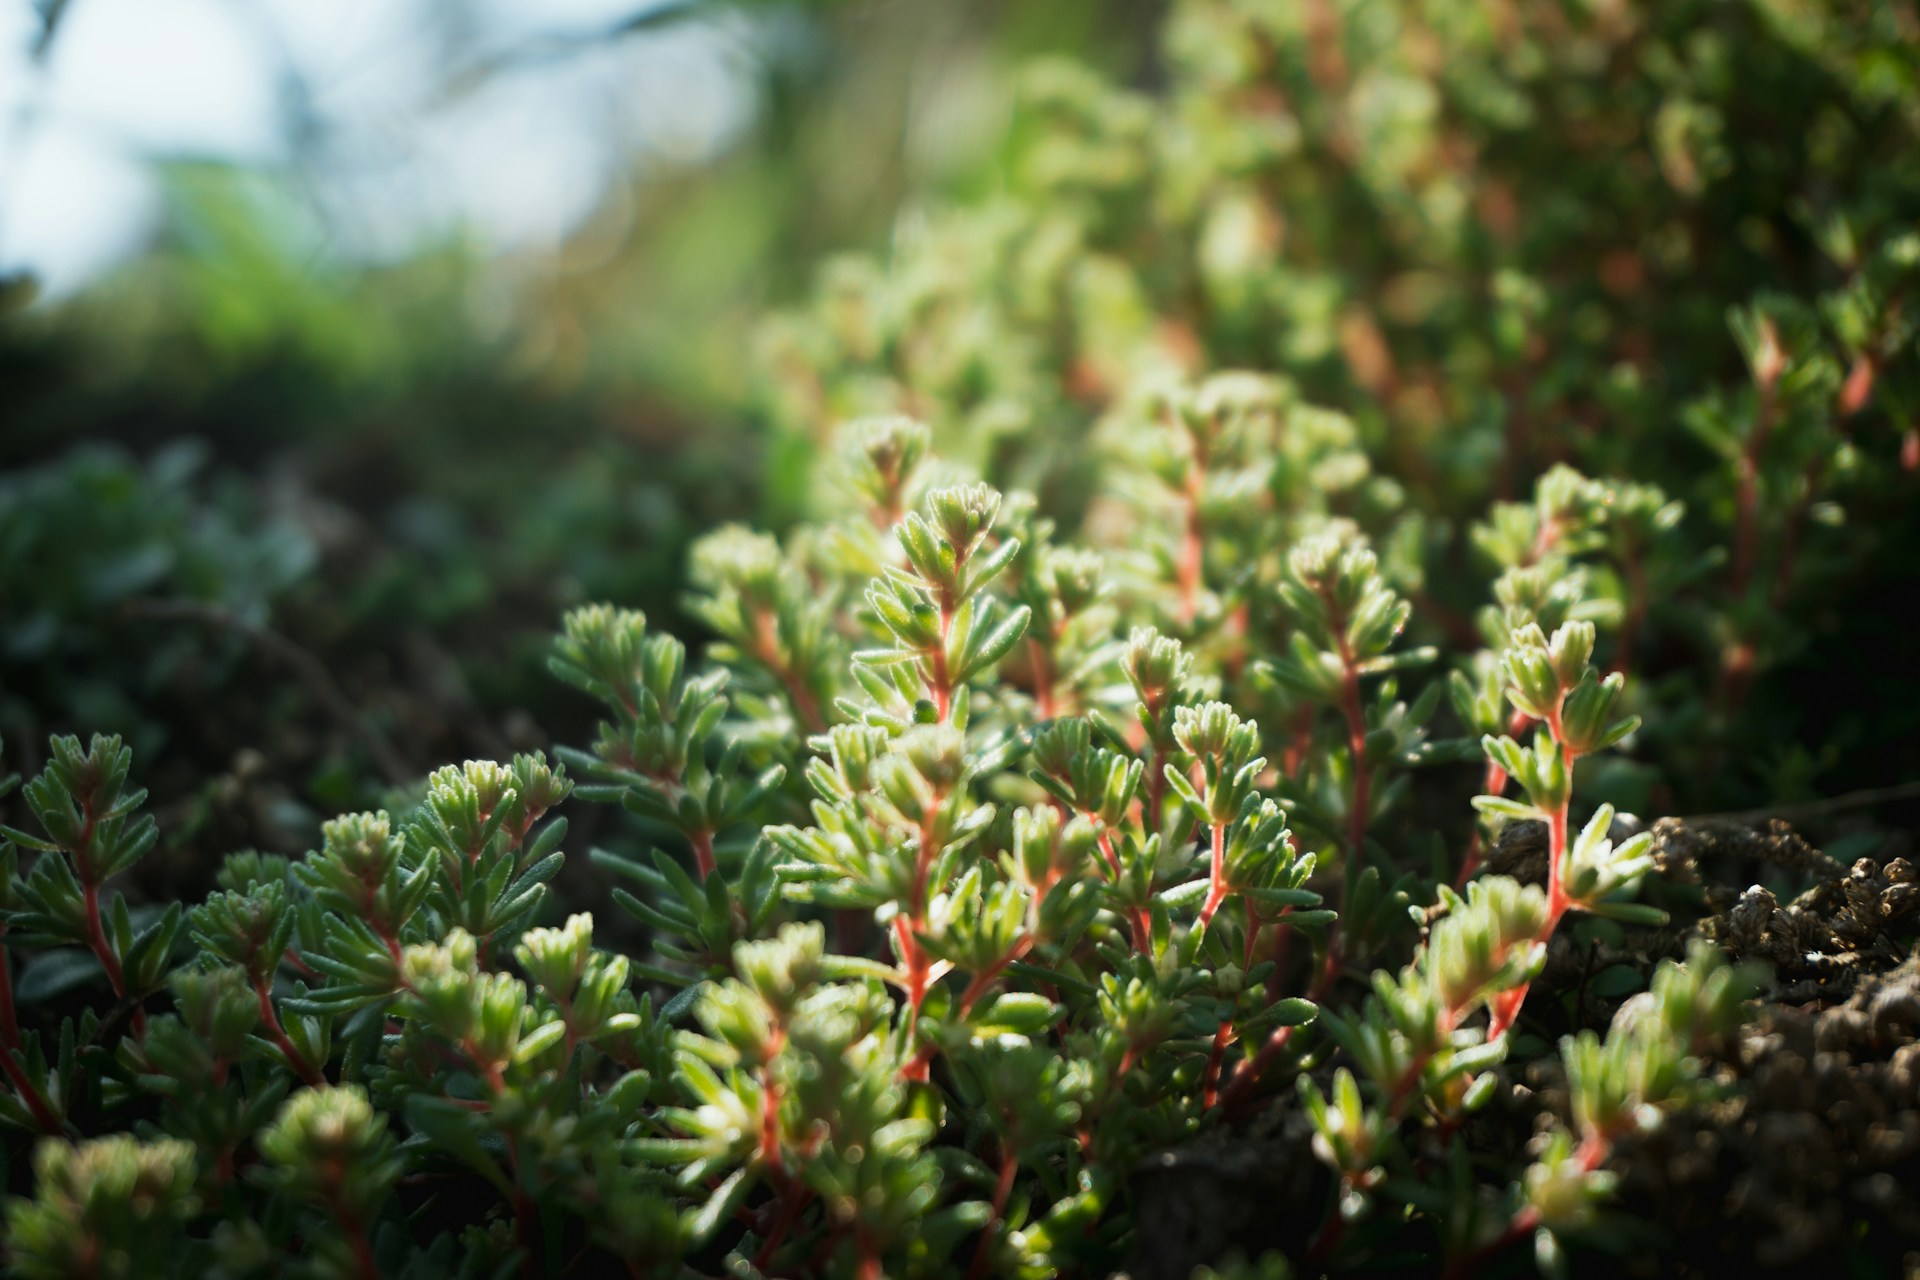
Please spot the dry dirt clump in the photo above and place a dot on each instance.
(1812, 1154)
(1822, 942)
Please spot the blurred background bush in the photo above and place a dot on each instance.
(343, 345)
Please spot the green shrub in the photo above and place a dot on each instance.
(1061, 942)
(89, 544)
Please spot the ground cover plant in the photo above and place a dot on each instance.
(1199, 778)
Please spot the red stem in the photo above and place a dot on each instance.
(97, 939)
(1002, 1189)
(1217, 890)
(1593, 1152)
(1210, 1087)
(1247, 1075)
(806, 708)
(362, 1247)
(939, 683)
(36, 1102)
(1326, 1241)
(915, 961)
(295, 1059)
(702, 842)
(1504, 1009)
(770, 1110)
(1137, 917)
(1192, 549)
(9, 1023)
(1299, 744)
(989, 975)
(1356, 717)
(1044, 706)
(306, 970)
(1190, 567)
(1362, 771)
(868, 1267)
(1156, 785)
(792, 1196)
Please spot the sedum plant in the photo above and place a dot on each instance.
(1095, 751)
(971, 887)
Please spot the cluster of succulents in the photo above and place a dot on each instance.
(1078, 905)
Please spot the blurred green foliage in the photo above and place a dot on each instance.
(466, 441)
(90, 537)
(1668, 242)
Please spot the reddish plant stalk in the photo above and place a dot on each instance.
(1142, 926)
(36, 1102)
(1188, 569)
(97, 940)
(917, 1067)
(938, 683)
(1504, 1008)
(1299, 744)
(1210, 1086)
(356, 1233)
(295, 1059)
(1350, 706)
(523, 1208)
(1002, 1190)
(1210, 1092)
(984, 980)
(1156, 783)
(1045, 701)
(1592, 1153)
(1246, 1076)
(1217, 888)
(907, 927)
(1327, 1240)
(301, 967)
(806, 708)
(915, 961)
(702, 842)
(9, 1022)
(1356, 717)
(793, 1197)
(96, 934)
(1854, 395)
(770, 1109)
(1238, 622)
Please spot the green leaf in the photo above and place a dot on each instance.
(56, 973)
(1629, 912)
(995, 645)
(719, 1207)
(456, 1130)
(539, 1040)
